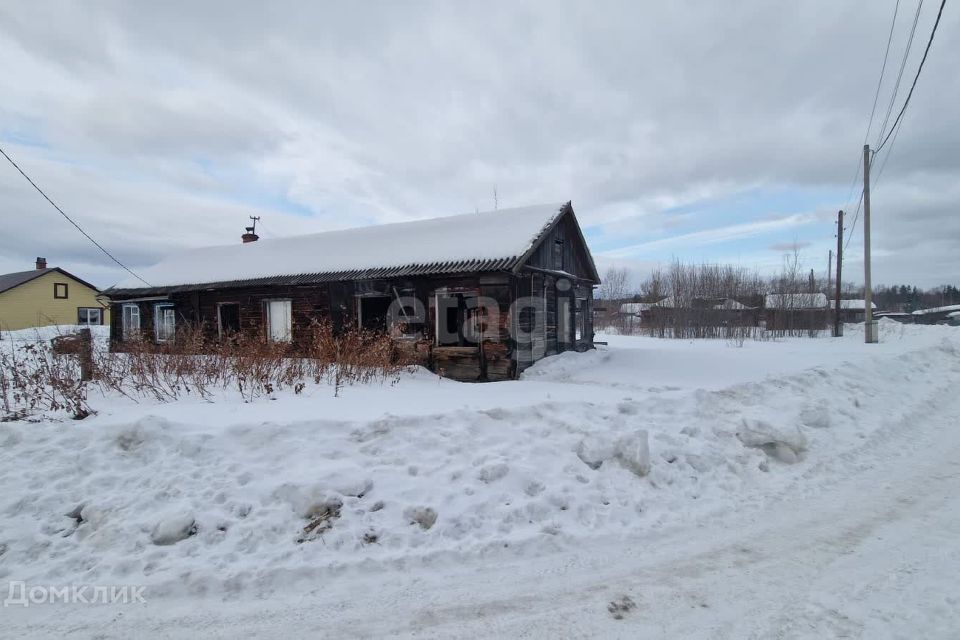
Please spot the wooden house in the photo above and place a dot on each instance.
(852, 311)
(795, 311)
(935, 315)
(47, 296)
(483, 296)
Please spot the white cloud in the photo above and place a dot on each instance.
(164, 125)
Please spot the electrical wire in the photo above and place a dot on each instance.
(913, 86)
(69, 219)
(876, 97)
(903, 66)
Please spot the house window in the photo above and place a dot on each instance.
(558, 255)
(228, 318)
(89, 315)
(372, 312)
(279, 320)
(458, 320)
(131, 321)
(406, 315)
(60, 290)
(164, 322)
(579, 318)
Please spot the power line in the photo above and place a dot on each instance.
(895, 128)
(883, 68)
(853, 226)
(913, 86)
(69, 219)
(876, 97)
(883, 165)
(903, 66)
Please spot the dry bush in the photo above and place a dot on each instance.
(34, 379)
(195, 363)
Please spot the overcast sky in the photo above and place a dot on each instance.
(706, 131)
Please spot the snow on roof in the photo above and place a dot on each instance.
(949, 307)
(856, 305)
(635, 307)
(954, 314)
(795, 301)
(732, 305)
(491, 235)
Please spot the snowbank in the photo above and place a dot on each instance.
(227, 498)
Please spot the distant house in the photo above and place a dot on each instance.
(48, 296)
(635, 314)
(935, 315)
(852, 310)
(530, 266)
(900, 316)
(700, 311)
(789, 311)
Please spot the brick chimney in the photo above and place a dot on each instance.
(41, 263)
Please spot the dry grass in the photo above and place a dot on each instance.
(34, 379)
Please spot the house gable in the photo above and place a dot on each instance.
(47, 297)
(561, 247)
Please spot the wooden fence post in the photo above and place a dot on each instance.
(86, 355)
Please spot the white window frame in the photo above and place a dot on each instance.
(159, 310)
(127, 314)
(267, 313)
(87, 311)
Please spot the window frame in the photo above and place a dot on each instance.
(56, 290)
(158, 315)
(126, 327)
(468, 318)
(269, 320)
(373, 296)
(99, 311)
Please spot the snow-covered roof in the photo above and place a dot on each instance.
(482, 241)
(635, 307)
(949, 307)
(954, 314)
(732, 305)
(795, 301)
(856, 305)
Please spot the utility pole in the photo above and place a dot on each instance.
(870, 326)
(837, 324)
(829, 269)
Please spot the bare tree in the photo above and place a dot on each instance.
(614, 284)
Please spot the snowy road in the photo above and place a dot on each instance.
(876, 556)
(863, 543)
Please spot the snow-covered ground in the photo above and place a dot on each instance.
(653, 488)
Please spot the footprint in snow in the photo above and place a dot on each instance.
(619, 608)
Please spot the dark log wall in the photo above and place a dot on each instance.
(489, 359)
(560, 250)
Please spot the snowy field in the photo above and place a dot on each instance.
(801, 488)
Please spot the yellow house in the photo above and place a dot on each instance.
(45, 296)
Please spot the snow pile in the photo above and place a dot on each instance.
(227, 498)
